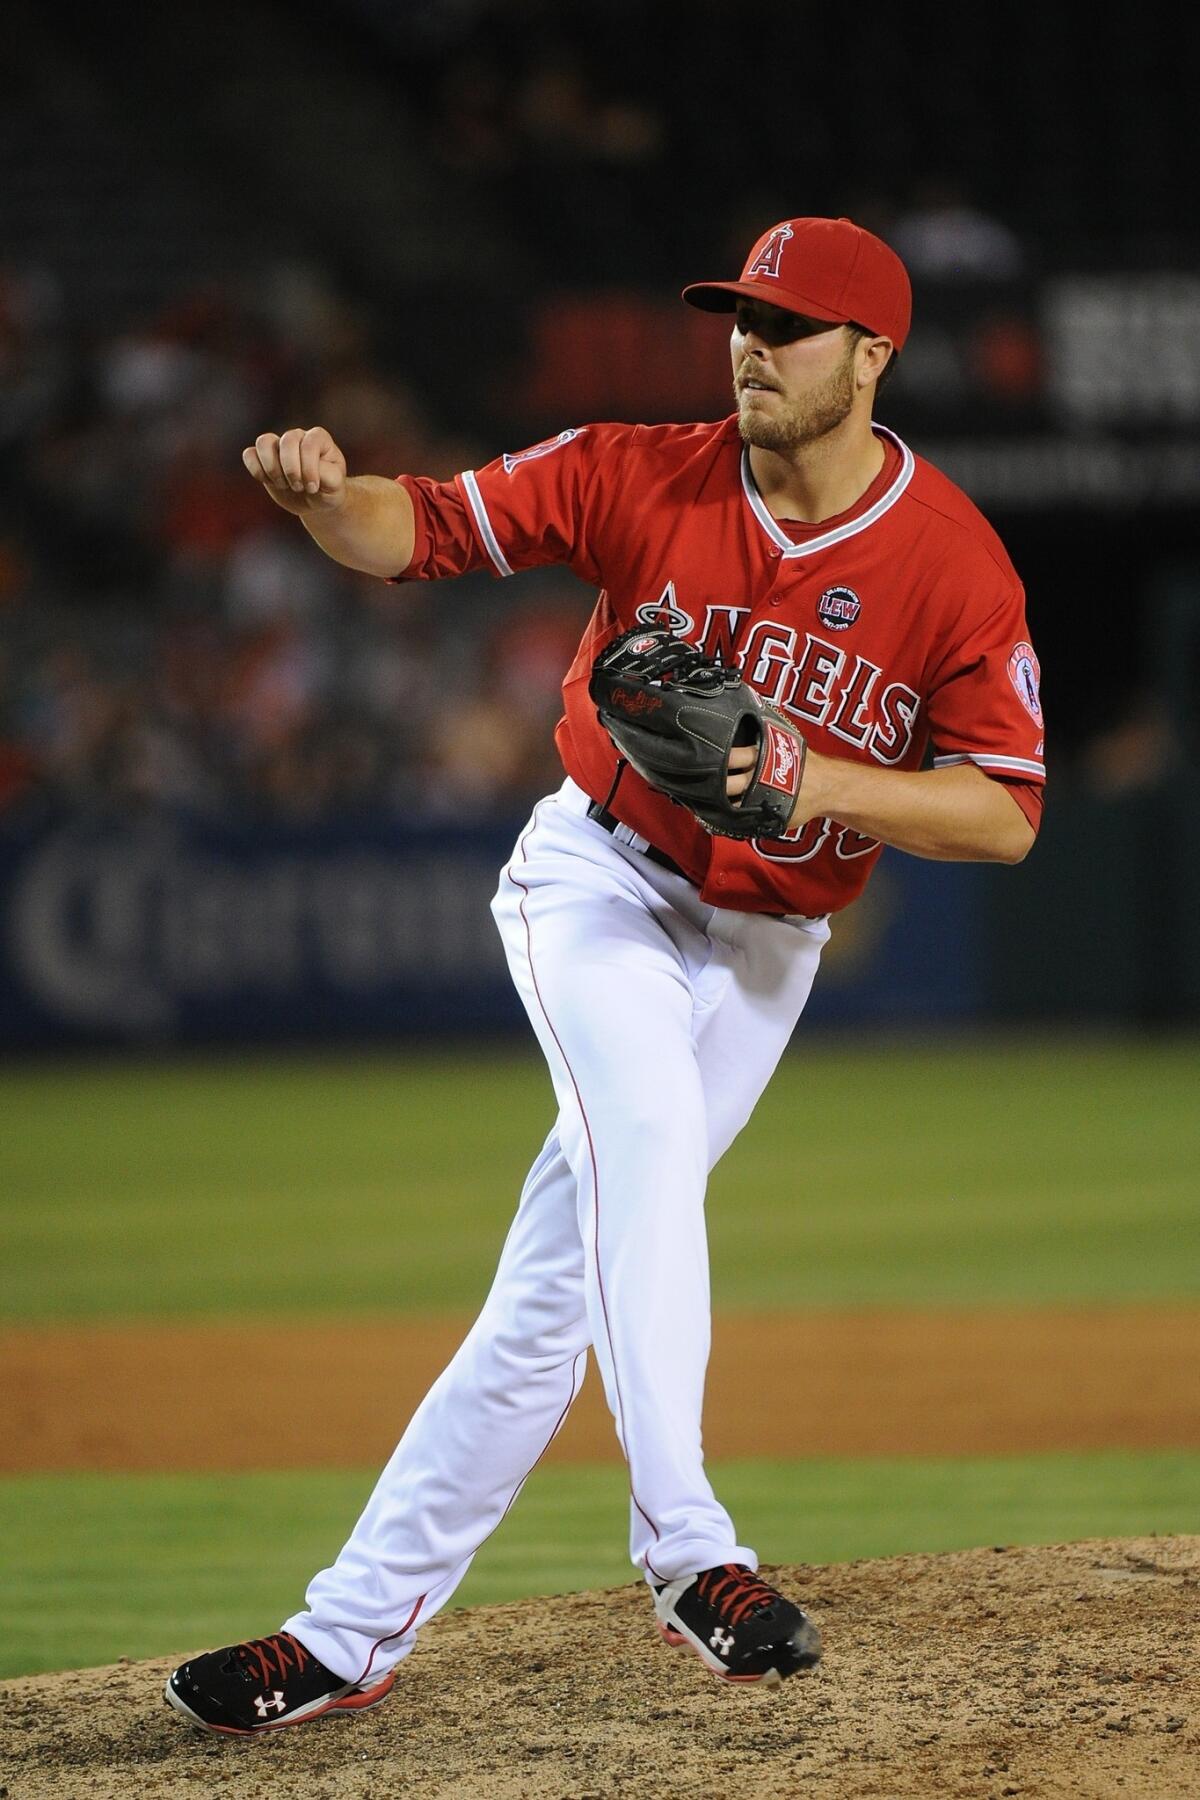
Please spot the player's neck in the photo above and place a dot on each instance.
(819, 480)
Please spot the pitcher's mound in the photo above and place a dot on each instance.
(1067, 1670)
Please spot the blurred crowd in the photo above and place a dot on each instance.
(169, 638)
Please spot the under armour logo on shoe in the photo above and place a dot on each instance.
(721, 1641)
(263, 1706)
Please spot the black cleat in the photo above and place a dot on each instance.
(741, 1628)
(263, 1684)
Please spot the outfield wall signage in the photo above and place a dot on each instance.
(183, 931)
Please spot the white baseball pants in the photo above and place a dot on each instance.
(661, 1019)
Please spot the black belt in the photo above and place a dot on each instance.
(609, 822)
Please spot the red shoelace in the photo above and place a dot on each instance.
(735, 1592)
(272, 1656)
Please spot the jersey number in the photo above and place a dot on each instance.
(803, 844)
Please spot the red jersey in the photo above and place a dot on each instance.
(896, 625)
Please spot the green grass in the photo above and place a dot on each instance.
(902, 1174)
(99, 1567)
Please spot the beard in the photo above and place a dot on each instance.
(786, 426)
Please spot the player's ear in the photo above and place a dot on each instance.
(874, 354)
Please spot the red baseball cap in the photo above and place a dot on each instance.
(824, 268)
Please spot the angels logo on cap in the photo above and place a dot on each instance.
(766, 260)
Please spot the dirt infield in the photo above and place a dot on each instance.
(1038, 1673)
(1067, 1671)
(839, 1384)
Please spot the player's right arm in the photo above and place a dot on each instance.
(362, 521)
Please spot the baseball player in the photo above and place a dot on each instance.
(867, 615)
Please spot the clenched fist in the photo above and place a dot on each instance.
(303, 471)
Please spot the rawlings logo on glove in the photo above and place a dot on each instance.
(636, 703)
(675, 715)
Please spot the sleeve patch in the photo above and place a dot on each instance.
(1024, 671)
(511, 461)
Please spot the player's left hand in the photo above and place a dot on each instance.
(742, 760)
(741, 771)
(678, 717)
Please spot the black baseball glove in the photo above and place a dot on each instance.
(675, 715)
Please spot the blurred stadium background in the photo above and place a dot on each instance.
(237, 796)
(252, 803)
